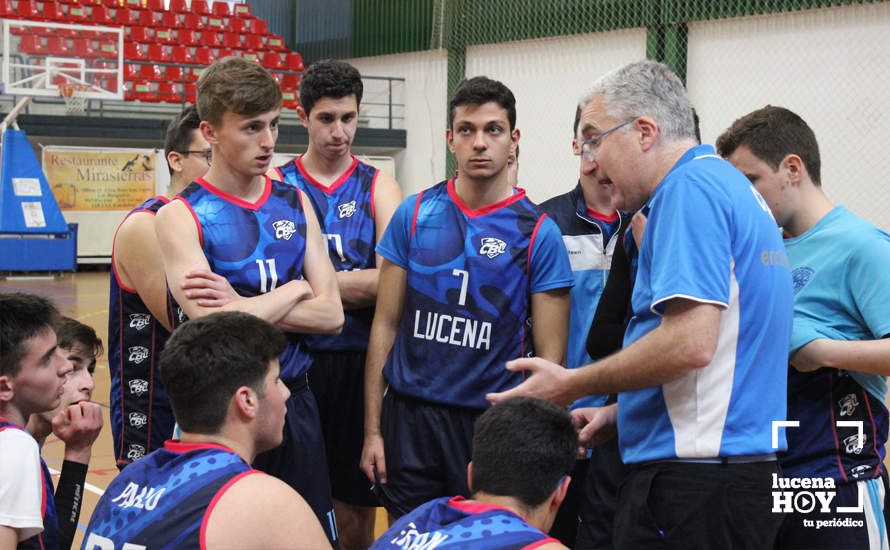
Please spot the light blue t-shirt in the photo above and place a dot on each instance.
(710, 238)
(840, 275)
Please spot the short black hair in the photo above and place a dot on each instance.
(22, 316)
(522, 448)
(480, 90)
(772, 133)
(70, 332)
(207, 359)
(180, 131)
(329, 78)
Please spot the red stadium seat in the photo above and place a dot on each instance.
(32, 44)
(224, 52)
(181, 55)
(158, 52)
(203, 56)
(289, 99)
(150, 72)
(125, 17)
(238, 25)
(83, 47)
(221, 9)
(174, 73)
(57, 45)
(215, 23)
(131, 72)
(134, 51)
(250, 56)
(52, 11)
(101, 15)
(168, 92)
(254, 42)
(259, 26)
(290, 81)
(200, 7)
(140, 34)
(191, 93)
(293, 62)
(193, 21)
(241, 10)
(76, 13)
(107, 50)
(231, 40)
(179, 6)
(188, 37)
(26, 9)
(143, 91)
(170, 20)
(133, 4)
(275, 42)
(111, 3)
(7, 10)
(155, 5)
(146, 18)
(210, 39)
(272, 60)
(165, 36)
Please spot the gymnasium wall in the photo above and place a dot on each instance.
(827, 64)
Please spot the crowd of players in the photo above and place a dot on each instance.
(343, 345)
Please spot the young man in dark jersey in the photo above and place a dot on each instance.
(473, 275)
(353, 202)
(76, 421)
(222, 375)
(261, 237)
(32, 376)
(523, 452)
(138, 316)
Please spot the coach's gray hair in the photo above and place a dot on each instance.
(646, 88)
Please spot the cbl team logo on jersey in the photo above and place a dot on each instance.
(284, 229)
(492, 247)
(346, 210)
(138, 386)
(138, 354)
(135, 452)
(137, 419)
(800, 277)
(139, 320)
(814, 495)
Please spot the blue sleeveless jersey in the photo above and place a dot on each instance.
(161, 501)
(455, 523)
(255, 246)
(49, 538)
(470, 276)
(141, 416)
(345, 210)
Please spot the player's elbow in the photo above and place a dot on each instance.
(334, 325)
(696, 352)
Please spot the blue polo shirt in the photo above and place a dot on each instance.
(710, 238)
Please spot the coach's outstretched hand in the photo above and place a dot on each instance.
(547, 380)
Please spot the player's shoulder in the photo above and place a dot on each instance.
(16, 442)
(565, 202)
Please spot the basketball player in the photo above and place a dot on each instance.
(702, 374)
(353, 202)
(222, 375)
(590, 231)
(141, 419)
(840, 350)
(523, 451)
(473, 275)
(265, 243)
(32, 376)
(76, 421)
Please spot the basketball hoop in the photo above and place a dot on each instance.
(74, 97)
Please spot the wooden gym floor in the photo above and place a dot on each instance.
(84, 296)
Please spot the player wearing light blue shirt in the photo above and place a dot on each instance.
(839, 350)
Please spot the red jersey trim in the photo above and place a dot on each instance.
(117, 278)
(461, 503)
(177, 446)
(195, 217)
(203, 536)
(416, 211)
(326, 188)
(487, 209)
(608, 218)
(11, 423)
(237, 200)
(374, 195)
(540, 543)
(531, 244)
(280, 174)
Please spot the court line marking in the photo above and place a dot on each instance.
(88, 486)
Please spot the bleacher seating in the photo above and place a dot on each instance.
(164, 49)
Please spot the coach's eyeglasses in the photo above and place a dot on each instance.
(592, 145)
(206, 153)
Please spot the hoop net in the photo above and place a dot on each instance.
(74, 97)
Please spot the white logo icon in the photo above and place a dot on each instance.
(854, 443)
(135, 452)
(138, 354)
(346, 210)
(492, 247)
(180, 315)
(137, 420)
(284, 229)
(848, 404)
(138, 386)
(139, 320)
